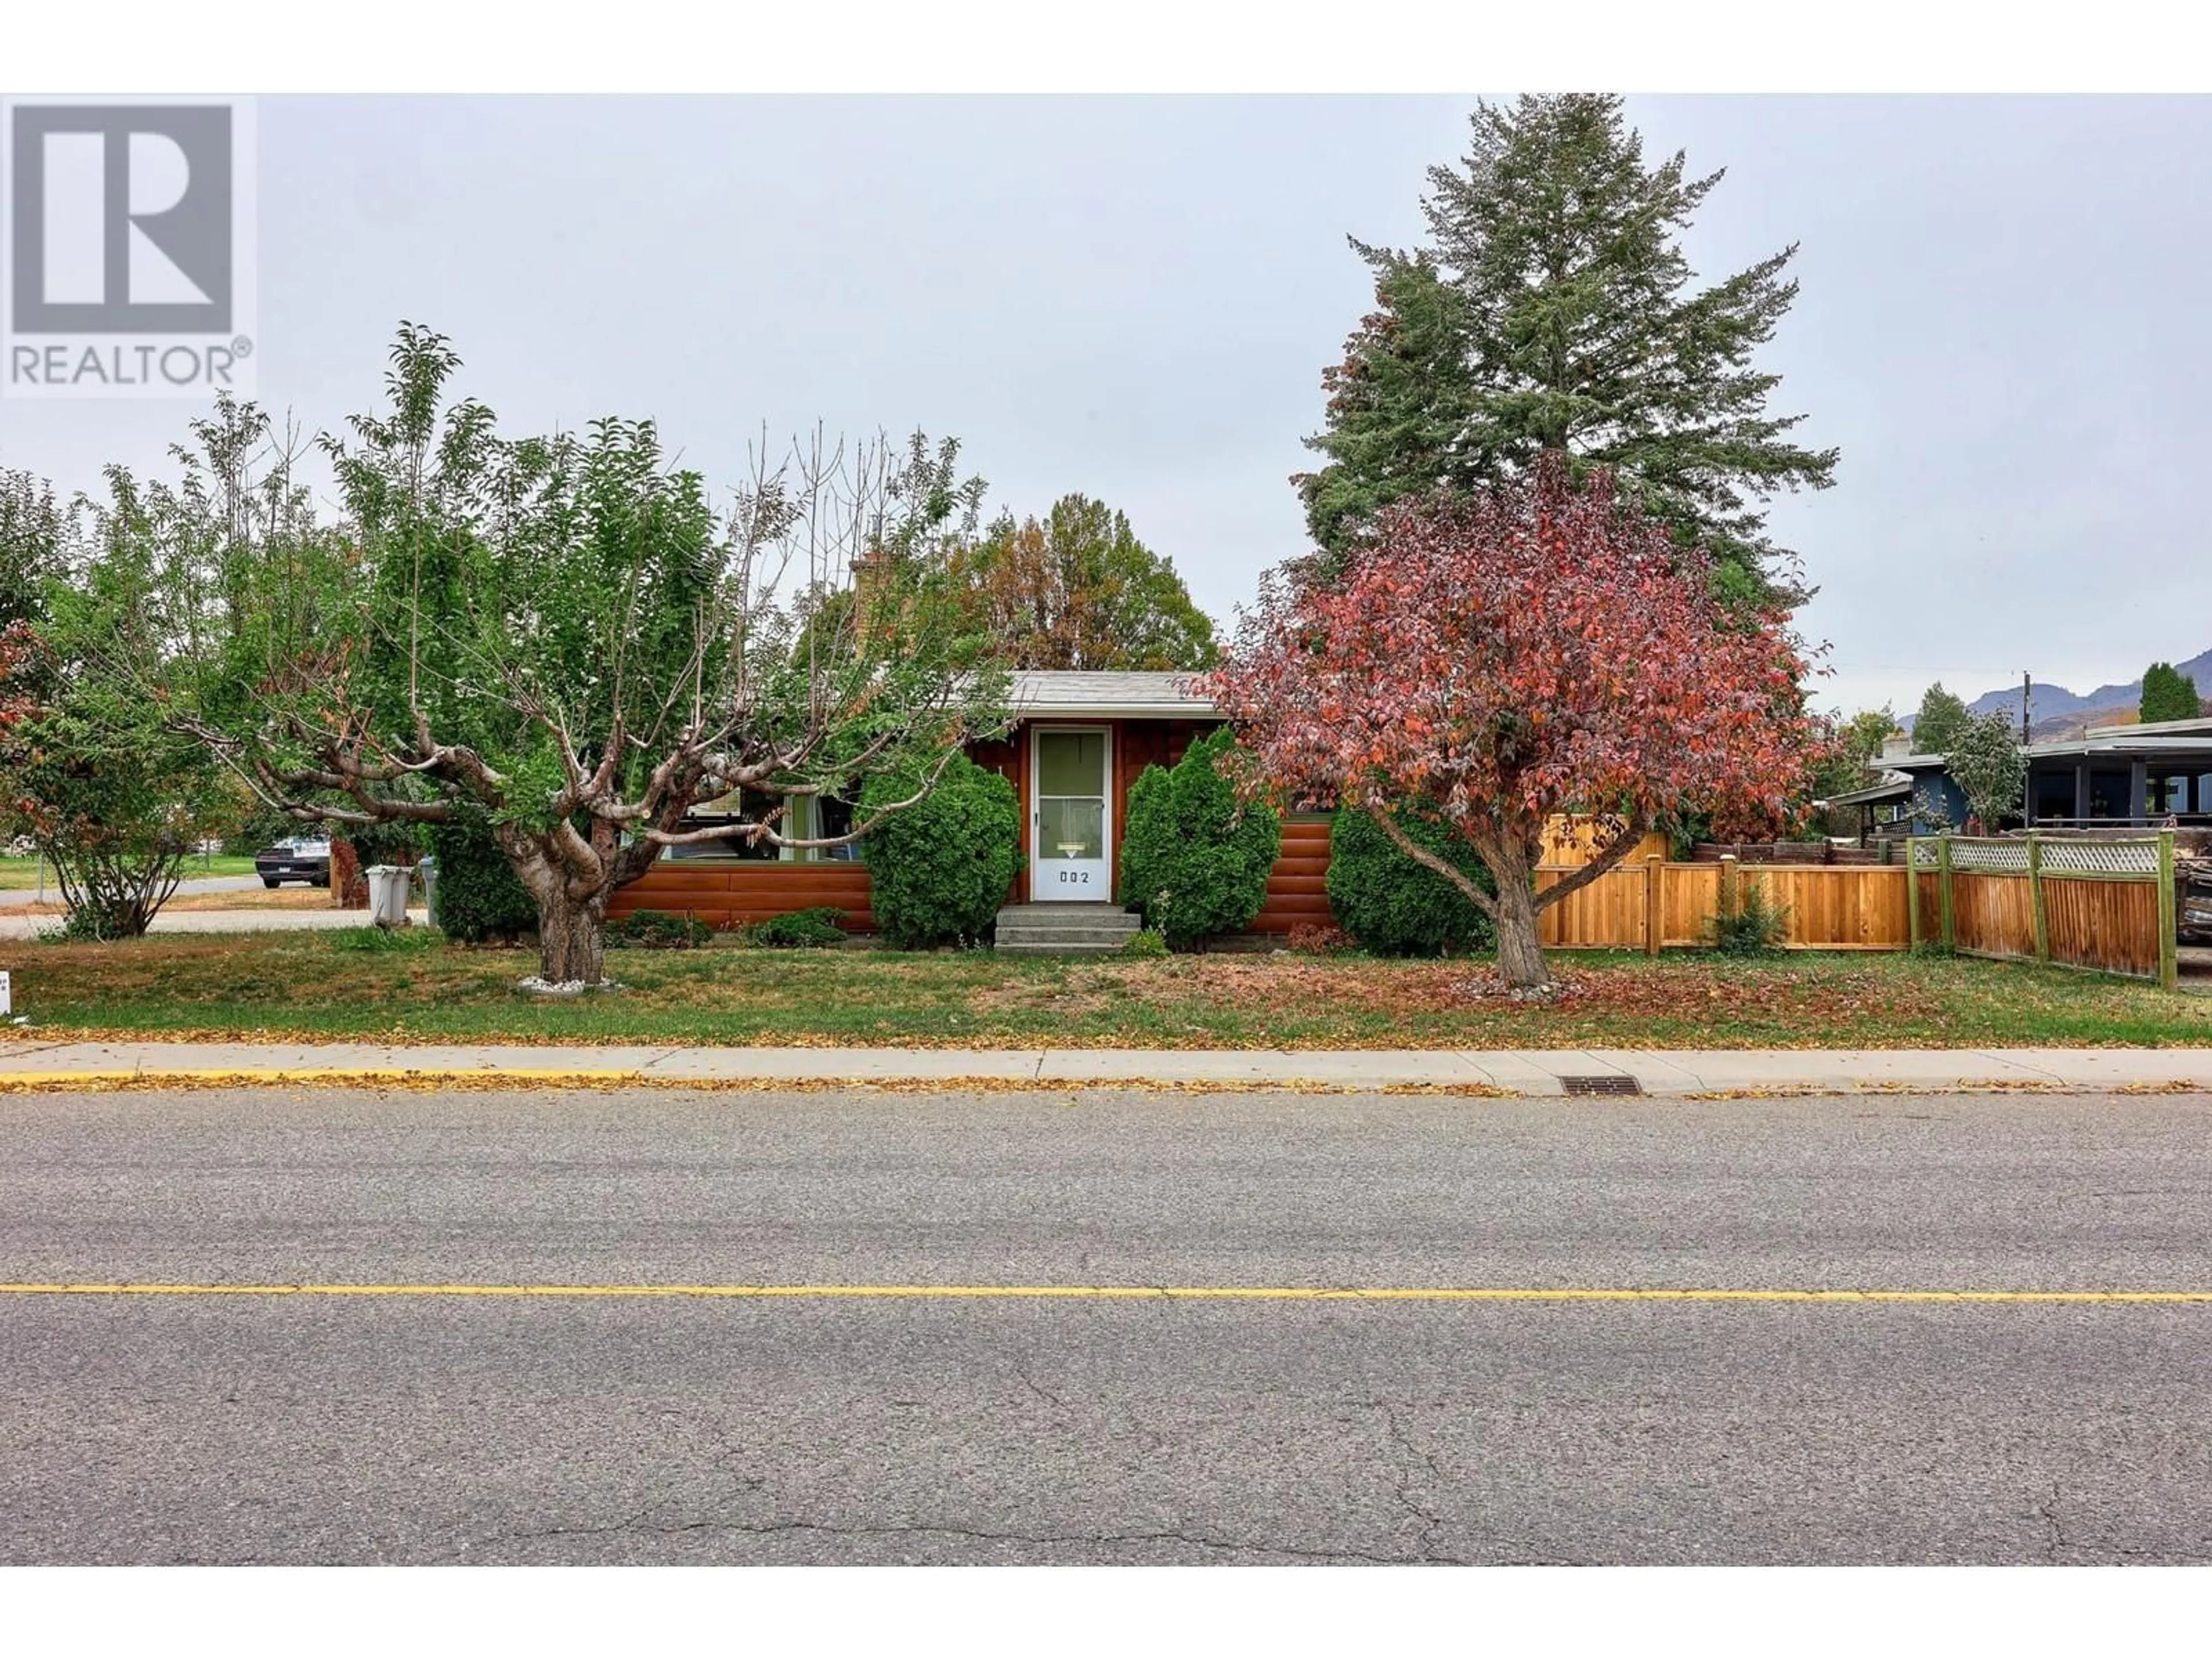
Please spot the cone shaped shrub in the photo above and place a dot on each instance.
(1194, 859)
(940, 869)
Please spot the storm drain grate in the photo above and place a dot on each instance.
(1610, 1083)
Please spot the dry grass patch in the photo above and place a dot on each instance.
(415, 989)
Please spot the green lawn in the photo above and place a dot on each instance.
(24, 872)
(307, 985)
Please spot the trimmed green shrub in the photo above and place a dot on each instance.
(813, 928)
(1754, 927)
(657, 930)
(1143, 943)
(480, 899)
(1393, 906)
(385, 843)
(939, 870)
(1194, 859)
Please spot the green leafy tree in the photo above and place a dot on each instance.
(1863, 736)
(558, 634)
(1849, 755)
(1195, 858)
(114, 799)
(1078, 590)
(1941, 717)
(1984, 760)
(1551, 308)
(34, 530)
(2168, 694)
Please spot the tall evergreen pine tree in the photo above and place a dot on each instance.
(1551, 308)
(2167, 695)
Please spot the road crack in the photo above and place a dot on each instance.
(1404, 1478)
(639, 1525)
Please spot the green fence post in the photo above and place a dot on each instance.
(1911, 891)
(2035, 896)
(2169, 958)
(1943, 868)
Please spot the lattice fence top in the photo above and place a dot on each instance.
(1998, 857)
(2099, 858)
(2064, 856)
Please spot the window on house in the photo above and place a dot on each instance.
(2109, 794)
(833, 816)
(743, 808)
(2054, 795)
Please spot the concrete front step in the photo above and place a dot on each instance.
(1064, 927)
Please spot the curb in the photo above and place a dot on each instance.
(493, 1078)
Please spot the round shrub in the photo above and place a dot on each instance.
(1194, 859)
(939, 870)
(480, 898)
(1396, 907)
(814, 928)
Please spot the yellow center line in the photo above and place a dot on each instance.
(1113, 1292)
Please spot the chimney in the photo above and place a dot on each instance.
(1896, 746)
(875, 596)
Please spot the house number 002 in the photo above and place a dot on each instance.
(1080, 876)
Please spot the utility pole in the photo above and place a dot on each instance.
(2027, 680)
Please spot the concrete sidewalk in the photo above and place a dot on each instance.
(1509, 1072)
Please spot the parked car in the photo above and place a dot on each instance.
(2196, 907)
(304, 858)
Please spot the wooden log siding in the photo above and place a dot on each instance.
(728, 893)
(1298, 887)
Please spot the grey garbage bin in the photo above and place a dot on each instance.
(387, 894)
(428, 867)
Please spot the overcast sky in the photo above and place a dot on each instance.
(2001, 322)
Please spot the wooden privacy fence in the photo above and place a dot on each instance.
(2105, 904)
(1655, 905)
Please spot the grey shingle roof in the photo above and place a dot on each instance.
(1068, 691)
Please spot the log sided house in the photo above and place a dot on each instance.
(1078, 743)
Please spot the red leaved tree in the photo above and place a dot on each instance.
(1492, 661)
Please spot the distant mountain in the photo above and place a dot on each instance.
(2057, 706)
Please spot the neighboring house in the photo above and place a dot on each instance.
(2135, 776)
(2139, 776)
(1079, 741)
(1896, 803)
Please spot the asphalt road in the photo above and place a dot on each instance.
(468, 1428)
(52, 892)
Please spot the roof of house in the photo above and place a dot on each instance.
(1098, 693)
(1895, 787)
(2199, 727)
(1911, 762)
(2125, 742)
